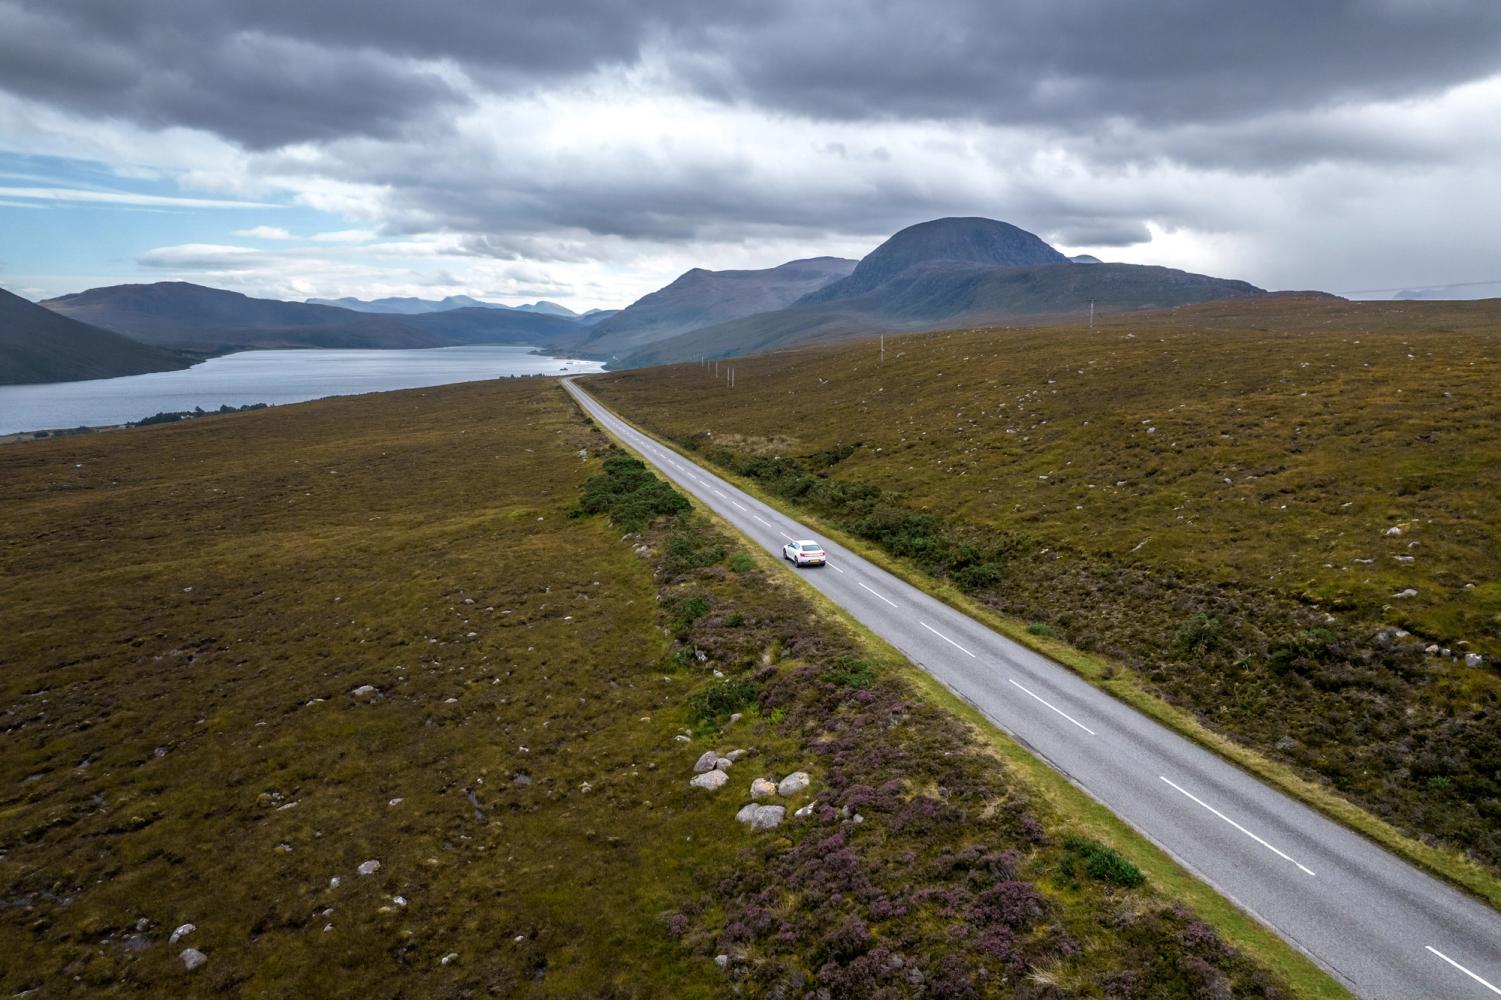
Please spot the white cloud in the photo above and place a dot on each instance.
(265, 233)
(55, 194)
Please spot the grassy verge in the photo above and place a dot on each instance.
(1122, 682)
(1061, 804)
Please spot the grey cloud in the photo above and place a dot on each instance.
(268, 72)
(1101, 233)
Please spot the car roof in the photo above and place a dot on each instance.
(808, 541)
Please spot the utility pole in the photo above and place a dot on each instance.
(883, 347)
(1091, 315)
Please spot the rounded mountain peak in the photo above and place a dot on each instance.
(985, 242)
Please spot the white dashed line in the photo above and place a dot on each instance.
(868, 590)
(1242, 829)
(1461, 968)
(758, 517)
(737, 503)
(1055, 708)
(946, 639)
(836, 569)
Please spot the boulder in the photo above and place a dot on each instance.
(723, 763)
(1394, 531)
(793, 783)
(182, 931)
(705, 762)
(368, 867)
(192, 958)
(761, 788)
(734, 755)
(365, 691)
(1473, 659)
(1409, 592)
(805, 811)
(759, 817)
(710, 780)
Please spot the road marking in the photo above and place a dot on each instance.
(1055, 708)
(737, 503)
(1232, 822)
(831, 566)
(1461, 968)
(762, 520)
(945, 638)
(880, 595)
(717, 493)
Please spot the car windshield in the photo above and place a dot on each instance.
(811, 546)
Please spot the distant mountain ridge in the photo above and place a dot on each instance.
(701, 298)
(406, 306)
(947, 272)
(38, 345)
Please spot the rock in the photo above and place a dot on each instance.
(705, 762)
(192, 958)
(1394, 531)
(805, 811)
(449, 959)
(1431, 649)
(395, 802)
(1286, 743)
(723, 763)
(182, 931)
(681, 738)
(334, 882)
(735, 717)
(365, 691)
(722, 960)
(734, 755)
(710, 780)
(521, 779)
(368, 867)
(1409, 592)
(1473, 659)
(761, 817)
(793, 783)
(761, 788)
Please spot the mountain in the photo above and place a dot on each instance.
(1086, 258)
(501, 326)
(416, 307)
(182, 315)
(947, 273)
(594, 316)
(700, 298)
(964, 241)
(38, 345)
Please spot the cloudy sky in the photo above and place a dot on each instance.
(590, 151)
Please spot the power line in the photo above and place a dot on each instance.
(1418, 288)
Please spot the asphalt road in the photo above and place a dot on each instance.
(1384, 928)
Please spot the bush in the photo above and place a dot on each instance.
(717, 702)
(689, 548)
(735, 620)
(851, 671)
(688, 611)
(1042, 629)
(631, 496)
(1101, 863)
(742, 562)
(1200, 634)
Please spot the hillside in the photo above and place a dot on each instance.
(701, 298)
(38, 345)
(500, 326)
(940, 295)
(945, 273)
(1274, 515)
(183, 315)
(484, 696)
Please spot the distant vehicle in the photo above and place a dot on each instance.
(804, 553)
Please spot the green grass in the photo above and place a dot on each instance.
(1012, 471)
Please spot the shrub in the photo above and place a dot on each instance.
(851, 671)
(631, 496)
(689, 548)
(735, 620)
(688, 611)
(742, 562)
(720, 700)
(1042, 629)
(1200, 634)
(1101, 863)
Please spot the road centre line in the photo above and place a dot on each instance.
(1461, 968)
(1055, 708)
(865, 588)
(737, 503)
(831, 566)
(1232, 822)
(946, 639)
(758, 517)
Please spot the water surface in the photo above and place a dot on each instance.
(263, 377)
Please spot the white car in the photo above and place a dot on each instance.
(804, 553)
